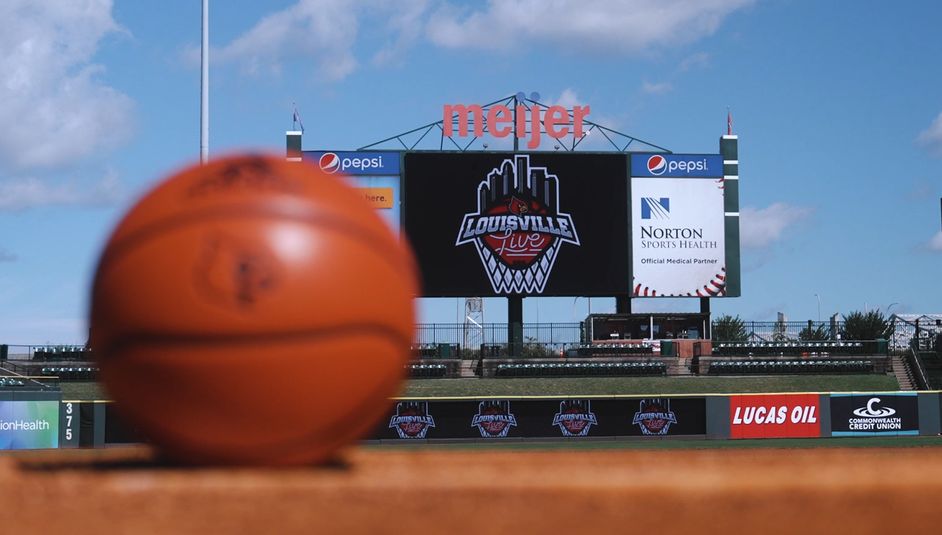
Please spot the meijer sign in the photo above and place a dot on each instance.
(500, 121)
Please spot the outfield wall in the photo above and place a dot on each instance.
(719, 417)
(29, 420)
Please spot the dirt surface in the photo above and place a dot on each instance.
(481, 491)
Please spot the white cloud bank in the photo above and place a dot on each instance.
(325, 33)
(31, 192)
(935, 243)
(931, 138)
(53, 107)
(761, 227)
(624, 26)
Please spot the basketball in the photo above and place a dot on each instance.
(252, 311)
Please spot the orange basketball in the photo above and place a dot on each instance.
(252, 311)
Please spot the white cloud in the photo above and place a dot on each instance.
(323, 34)
(31, 192)
(405, 27)
(761, 227)
(935, 244)
(931, 138)
(627, 26)
(658, 88)
(53, 106)
(694, 61)
(321, 30)
(567, 99)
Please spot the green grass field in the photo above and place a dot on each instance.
(604, 386)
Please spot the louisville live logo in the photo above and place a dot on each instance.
(775, 416)
(518, 227)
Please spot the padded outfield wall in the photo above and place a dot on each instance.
(719, 417)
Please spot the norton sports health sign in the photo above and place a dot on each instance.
(678, 225)
(518, 224)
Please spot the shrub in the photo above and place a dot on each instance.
(811, 333)
(727, 328)
(866, 326)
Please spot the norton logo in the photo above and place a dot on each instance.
(654, 416)
(329, 162)
(412, 419)
(494, 419)
(870, 412)
(575, 417)
(657, 164)
(518, 228)
(656, 208)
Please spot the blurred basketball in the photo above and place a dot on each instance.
(252, 311)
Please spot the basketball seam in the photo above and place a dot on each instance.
(138, 237)
(295, 446)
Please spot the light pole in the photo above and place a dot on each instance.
(204, 87)
(818, 297)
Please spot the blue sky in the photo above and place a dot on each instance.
(838, 106)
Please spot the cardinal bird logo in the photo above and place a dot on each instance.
(494, 419)
(518, 228)
(654, 416)
(575, 417)
(412, 419)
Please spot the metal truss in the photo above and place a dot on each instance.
(413, 139)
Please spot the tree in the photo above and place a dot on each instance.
(727, 328)
(866, 326)
(810, 333)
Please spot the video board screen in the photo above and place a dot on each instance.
(540, 224)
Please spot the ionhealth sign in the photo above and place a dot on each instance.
(375, 163)
(29, 424)
(677, 165)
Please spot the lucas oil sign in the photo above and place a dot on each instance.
(775, 416)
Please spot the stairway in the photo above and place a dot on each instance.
(679, 367)
(902, 372)
(466, 368)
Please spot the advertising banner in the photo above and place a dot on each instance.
(775, 416)
(874, 414)
(29, 424)
(678, 235)
(354, 163)
(526, 224)
(544, 418)
(382, 193)
(677, 165)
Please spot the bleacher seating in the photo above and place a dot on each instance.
(63, 354)
(11, 382)
(788, 366)
(792, 348)
(71, 373)
(425, 351)
(425, 371)
(581, 368)
(610, 350)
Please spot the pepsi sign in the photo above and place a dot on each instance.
(677, 165)
(355, 162)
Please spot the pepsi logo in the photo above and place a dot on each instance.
(330, 162)
(657, 164)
